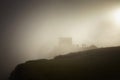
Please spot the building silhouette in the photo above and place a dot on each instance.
(65, 42)
(65, 46)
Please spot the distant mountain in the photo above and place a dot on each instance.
(97, 64)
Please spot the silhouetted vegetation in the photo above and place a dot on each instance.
(98, 64)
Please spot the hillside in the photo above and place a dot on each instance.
(98, 64)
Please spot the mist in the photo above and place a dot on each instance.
(36, 28)
(31, 29)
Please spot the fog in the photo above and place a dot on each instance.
(35, 29)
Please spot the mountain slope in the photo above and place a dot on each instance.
(98, 64)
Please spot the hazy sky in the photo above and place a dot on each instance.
(34, 27)
(30, 29)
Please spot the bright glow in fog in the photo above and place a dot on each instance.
(116, 16)
(39, 30)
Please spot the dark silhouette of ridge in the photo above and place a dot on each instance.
(97, 64)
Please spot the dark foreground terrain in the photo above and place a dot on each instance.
(99, 64)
